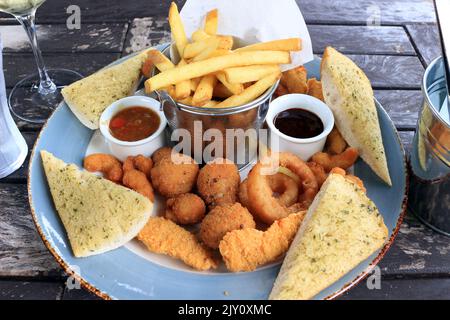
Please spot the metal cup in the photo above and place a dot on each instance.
(429, 162)
(13, 148)
(198, 120)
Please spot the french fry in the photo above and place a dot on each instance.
(211, 22)
(235, 88)
(291, 44)
(220, 91)
(199, 35)
(315, 88)
(183, 88)
(204, 90)
(295, 80)
(177, 28)
(187, 101)
(194, 83)
(225, 42)
(159, 60)
(210, 54)
(210, 104)
(249, 73)
(170, 90)
(201, 68)
(251, 92)
(195, 48)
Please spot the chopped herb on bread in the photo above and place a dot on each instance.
(347, 91)
(89, 97)
(341, 229)
(98, 215)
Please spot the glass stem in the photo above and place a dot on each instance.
(46, 84)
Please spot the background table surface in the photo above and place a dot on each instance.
(393, 54)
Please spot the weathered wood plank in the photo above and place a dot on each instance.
(388, 12)
(417, 250)
(405, 289)
(57, 38)
(391, 71)
(146, 32)
(426, 40)
(19, 65)
(22, 252)
(402, 105)
(329, 11)
(30, 290)
(373, 40)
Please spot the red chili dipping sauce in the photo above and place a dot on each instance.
(134, 124)
(298, 123)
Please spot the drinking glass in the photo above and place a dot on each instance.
(34, 98)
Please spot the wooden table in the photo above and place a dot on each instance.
(393, 54)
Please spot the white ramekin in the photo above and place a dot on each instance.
(122, 149)
(304, 148)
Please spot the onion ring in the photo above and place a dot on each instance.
(263, 203)
(284, 188)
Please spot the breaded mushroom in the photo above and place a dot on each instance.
(174, 175)
(223, 219)
(160, 154)
(218, 182)
(186, 208)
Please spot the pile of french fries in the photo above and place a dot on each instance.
(210, 73)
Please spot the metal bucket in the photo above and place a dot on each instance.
(429, 162)
(198, 120)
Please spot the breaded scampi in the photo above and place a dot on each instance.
(140, 163)
(106, 164)
(247, 249)
(137, 180)
(335, 142)
(343, 160)
(165, 237)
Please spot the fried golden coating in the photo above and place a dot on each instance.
(335, 142)
(223, 219)
(108, 165)
(284, 189)
(164, 236)
(160, 154)
(315, 89)
(247, 249)
(137, 180)
(319, 172)
(263, 204)
(218, 182)
(185, 208)
(174, 175)
(140, 163)
(343, 160)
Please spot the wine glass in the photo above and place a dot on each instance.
(35, 97)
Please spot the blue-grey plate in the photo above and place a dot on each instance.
(122, 274)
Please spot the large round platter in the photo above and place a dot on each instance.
(131, 273)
